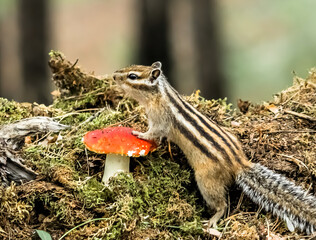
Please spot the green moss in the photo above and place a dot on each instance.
(11, 111)
(55, 53)
(46, 160)
(15, 215)
(158, 198)
(13, 209)
(94, 194)
(216, 109)
(56, 205)
(106, 118)
(76, 89)
(82, 102)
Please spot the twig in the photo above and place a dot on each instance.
(240, 201)
(87, 120)
(43, 137)
(286, 101)
(228, 201)
(82, 224)
(73, 65)
(85, 94)
(224, 230)
(86, 152)
(300, 115)
(312, 84)
(303, 105)
(312, 237)
(295, 160)
(170, 152)
(91, 117)
(276, 224)
(62, 117)
(268, 227)
(289, 131)
(121, 122)
(240, 213)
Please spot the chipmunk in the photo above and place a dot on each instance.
(215, 154)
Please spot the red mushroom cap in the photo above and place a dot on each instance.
(117, 140)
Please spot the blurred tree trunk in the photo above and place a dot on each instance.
(33, 23)
(154, 33)
(208, 50)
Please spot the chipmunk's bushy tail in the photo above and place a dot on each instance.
(279, 195)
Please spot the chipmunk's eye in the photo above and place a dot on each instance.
(132, 76)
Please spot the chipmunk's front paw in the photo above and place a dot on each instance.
(146, 136)
(141, 135)
(136, 133)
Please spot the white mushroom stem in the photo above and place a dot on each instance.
(114, 164)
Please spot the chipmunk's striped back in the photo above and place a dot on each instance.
(215, 154)
(208, 137)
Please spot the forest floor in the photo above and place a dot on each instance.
(159, 198)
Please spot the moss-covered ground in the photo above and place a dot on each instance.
(159, 198)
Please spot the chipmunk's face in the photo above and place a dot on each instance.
(139, 82)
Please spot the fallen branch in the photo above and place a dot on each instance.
(289, 131)
(12, 140)
(300, 115)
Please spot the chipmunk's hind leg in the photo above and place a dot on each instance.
(215, 196)
(209, 227)
(219, 213)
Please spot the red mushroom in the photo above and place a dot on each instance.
(119, 144)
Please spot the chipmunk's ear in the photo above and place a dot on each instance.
(156, 65)
(154, 74)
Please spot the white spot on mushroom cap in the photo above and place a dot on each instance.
(131, 153)
(136, 152)
(142, 153)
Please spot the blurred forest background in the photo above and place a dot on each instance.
(235, 48)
